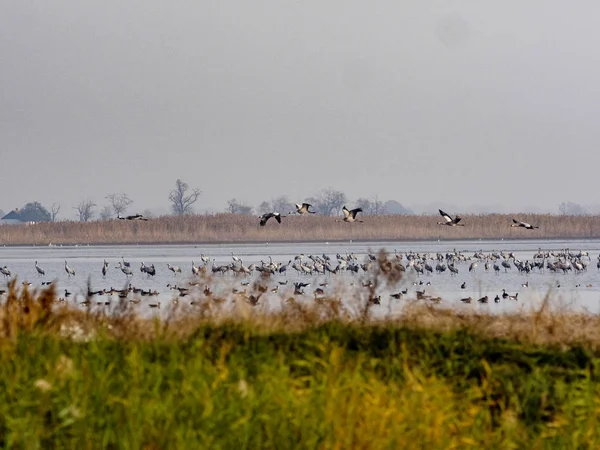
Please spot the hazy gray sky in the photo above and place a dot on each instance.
(457, 102)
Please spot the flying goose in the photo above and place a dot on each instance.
(350, 214)
(303, 208)
(265, 217)
(448, 220)
(134, 217)
(527, 226)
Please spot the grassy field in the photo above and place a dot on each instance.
(240, 228)
(305, 377)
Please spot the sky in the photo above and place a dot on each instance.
(466, 104)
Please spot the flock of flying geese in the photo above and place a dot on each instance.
(350, 216)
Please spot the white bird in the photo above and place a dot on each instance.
(195, 269)
(448, 220)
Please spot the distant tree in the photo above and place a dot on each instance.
(393, 207)
(182, 199)
(106, 213)
(236, 207)
(571, 209)
(54, 211)
(329, 201)
(264, 208)
(85, 208)
(371, 207)
(34, 212)
(119, 202)
(2, 213)
(148, 214)
(282, 204)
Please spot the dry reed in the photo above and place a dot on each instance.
(222, 228)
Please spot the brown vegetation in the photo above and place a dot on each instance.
(241, 228)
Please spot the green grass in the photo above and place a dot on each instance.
(334, 385)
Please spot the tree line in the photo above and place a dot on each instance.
(182, 199)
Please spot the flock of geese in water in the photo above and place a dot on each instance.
(319, 269)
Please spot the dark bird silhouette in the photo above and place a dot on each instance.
(265, 217)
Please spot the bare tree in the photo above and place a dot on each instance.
(181, 201)
(328, 201)
(148, 214)
(85, 208)
(264, 208)
(106, 213)
(54, 211)
(282, 204)
(372, 207)
(571, 209)
(119, 202)
(236, 207)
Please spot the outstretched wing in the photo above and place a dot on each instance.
(446, 216)
(278, 217)
(263, 219)
(457, 219)
(345, 211)
(516, 221)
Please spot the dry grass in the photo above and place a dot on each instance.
(239, 228)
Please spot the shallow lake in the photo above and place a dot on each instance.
(574, 292)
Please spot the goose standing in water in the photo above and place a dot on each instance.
(69, 270)
(126, 270)
(527, 226)
(174, 269)
(449, 220)
(40, 271)
(104, 269)
(4, 270)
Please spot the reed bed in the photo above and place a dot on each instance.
(306, 376)
(223, 228)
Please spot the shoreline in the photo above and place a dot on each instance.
(290, 242)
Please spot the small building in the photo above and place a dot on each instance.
(12, 218)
